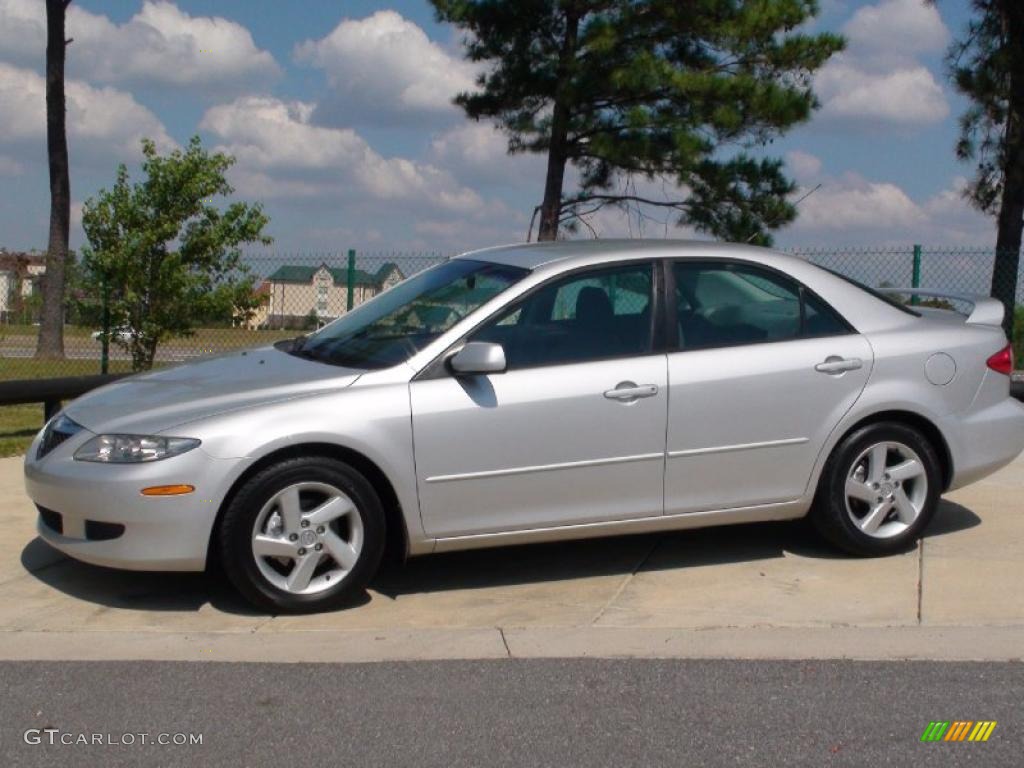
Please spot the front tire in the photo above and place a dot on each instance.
(302, 536)
(878, 490)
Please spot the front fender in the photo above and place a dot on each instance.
(373, 421)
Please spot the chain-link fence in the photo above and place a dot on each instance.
(295, 293)
(300, 292)
(953, 269)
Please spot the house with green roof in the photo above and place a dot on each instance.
(296, 293)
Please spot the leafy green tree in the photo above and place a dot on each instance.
(163, 254)
(987, 66)
(628, 89)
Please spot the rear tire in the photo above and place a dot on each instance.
(878, 490)
(302, 536)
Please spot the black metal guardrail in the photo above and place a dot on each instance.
(51, 392)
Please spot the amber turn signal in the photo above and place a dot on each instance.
(167, 490)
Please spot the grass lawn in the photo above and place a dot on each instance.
(16, 329)
(225, 338)
(18, 425)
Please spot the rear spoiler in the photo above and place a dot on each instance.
(986, 310)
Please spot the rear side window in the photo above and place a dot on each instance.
(725, 304)
(596, 315)
(820, 319)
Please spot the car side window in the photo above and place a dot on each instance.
(820, 319)
(594, 315)
(725, 304)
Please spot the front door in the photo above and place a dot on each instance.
(574, 430)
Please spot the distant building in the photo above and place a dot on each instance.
(19, 280)
(297, 296)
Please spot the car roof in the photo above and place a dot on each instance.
(580, 252)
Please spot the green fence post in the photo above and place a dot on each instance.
(105, 332)
(350, 300)
(915, 275)
(915, 279)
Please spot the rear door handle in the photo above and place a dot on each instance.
(836, 364)
(627, 391)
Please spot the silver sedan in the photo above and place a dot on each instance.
(535, 393)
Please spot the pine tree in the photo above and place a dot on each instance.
(987, 66)
(648, 89)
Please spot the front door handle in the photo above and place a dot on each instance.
(629, 392)
(836, 364)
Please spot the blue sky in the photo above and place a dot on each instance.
(339, 115)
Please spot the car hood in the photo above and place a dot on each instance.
(158, 401)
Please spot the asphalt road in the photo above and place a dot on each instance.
(584, 712)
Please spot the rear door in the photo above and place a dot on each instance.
(762, 372)
(573, 432)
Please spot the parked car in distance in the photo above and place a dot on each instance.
(535, 393)
(121, 333)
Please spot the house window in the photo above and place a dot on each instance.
(322, 294)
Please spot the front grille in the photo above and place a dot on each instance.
(96, 531)
(51, 519)
(57, 431)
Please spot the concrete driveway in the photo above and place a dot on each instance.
(766, 591)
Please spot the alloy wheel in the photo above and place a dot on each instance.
(886, 489)
(307, 538)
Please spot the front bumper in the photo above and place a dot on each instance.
(169, 533)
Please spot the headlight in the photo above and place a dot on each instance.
(132, 449)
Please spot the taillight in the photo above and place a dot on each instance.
(1002, 361)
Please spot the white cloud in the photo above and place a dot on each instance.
(22, 28)
(909, 96)
(477, 153)
(852, 210)
(879, 82)
(98, 119)
(160, 44)
(804, 166)
(385, 64)
(955, 221)
(908, 26)
(280, 152)
(472, 145)
(852, 203)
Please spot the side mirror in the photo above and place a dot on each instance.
(478, 357)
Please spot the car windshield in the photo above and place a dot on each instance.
(392, 327)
